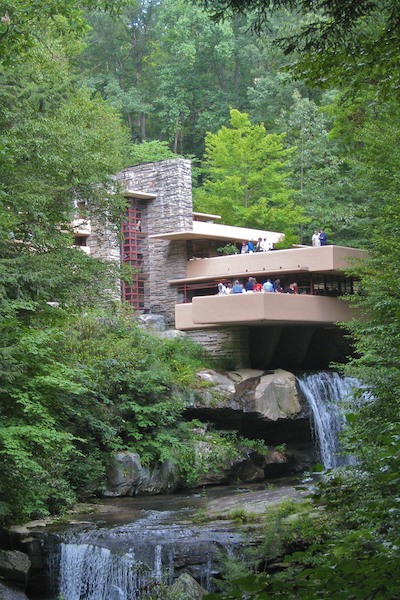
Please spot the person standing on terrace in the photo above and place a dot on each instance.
(268, 286)
(244, 249)
(315, 239)
(222, 290)
(323, 239)
(265, 246)
(237, 288)
(249, 287)
(250, 246)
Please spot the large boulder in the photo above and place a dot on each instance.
(126, 476)
(153, 323)
(217, 391)
(187, 588)
(270, 396)
(14, 567)
(10, 593)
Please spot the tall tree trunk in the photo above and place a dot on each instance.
(142, 125)
(176, 137)
(131, 126)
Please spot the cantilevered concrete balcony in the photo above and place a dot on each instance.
(260, 308)
(325, 259)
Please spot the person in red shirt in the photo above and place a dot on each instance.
(257, 286)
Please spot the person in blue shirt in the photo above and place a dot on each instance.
(237, 288)
(250, 246)
(323, 237)
(268, 286)
(249, 287)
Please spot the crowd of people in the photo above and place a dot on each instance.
(319, 238)
(262, 245)
(252, 285)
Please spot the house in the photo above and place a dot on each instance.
(176, 266)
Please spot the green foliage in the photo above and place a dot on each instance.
(241, 515)
(320, 173)
(204, 453)
(23, 24)
(244, 588)
(246, 178)
(81, 388)
(59, 145)
(228, 249)
(201, 516)
(149, 152)
(338, 42)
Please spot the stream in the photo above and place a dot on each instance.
(130, 547)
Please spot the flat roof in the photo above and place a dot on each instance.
(216, 231)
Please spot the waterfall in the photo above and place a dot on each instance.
(326, 394)
(87, 571)
(94, 573)
(135, 561)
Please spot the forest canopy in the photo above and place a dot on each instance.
(337, 40)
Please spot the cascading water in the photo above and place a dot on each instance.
(325, 393)
(134, 561)
(93, 572)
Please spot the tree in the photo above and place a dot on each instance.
(59, 145)
(340, 41)
(172, 72)
(78, 388)
(246, 178)
(358, 552)
(23, 23)
(116, 62)
(203, 68)
(320, 172)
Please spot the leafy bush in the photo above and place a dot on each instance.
(82, 388)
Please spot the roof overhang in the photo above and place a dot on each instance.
(205, 216)
(140, 195)
(214, 231)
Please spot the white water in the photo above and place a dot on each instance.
(135, 561)
(326, 394)
(93, 573)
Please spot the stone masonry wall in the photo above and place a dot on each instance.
(224, 343)
(105, 245)
(171, 182)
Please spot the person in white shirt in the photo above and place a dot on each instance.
(315, 239)
(265, 246)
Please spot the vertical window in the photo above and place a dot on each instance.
(134, 251)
